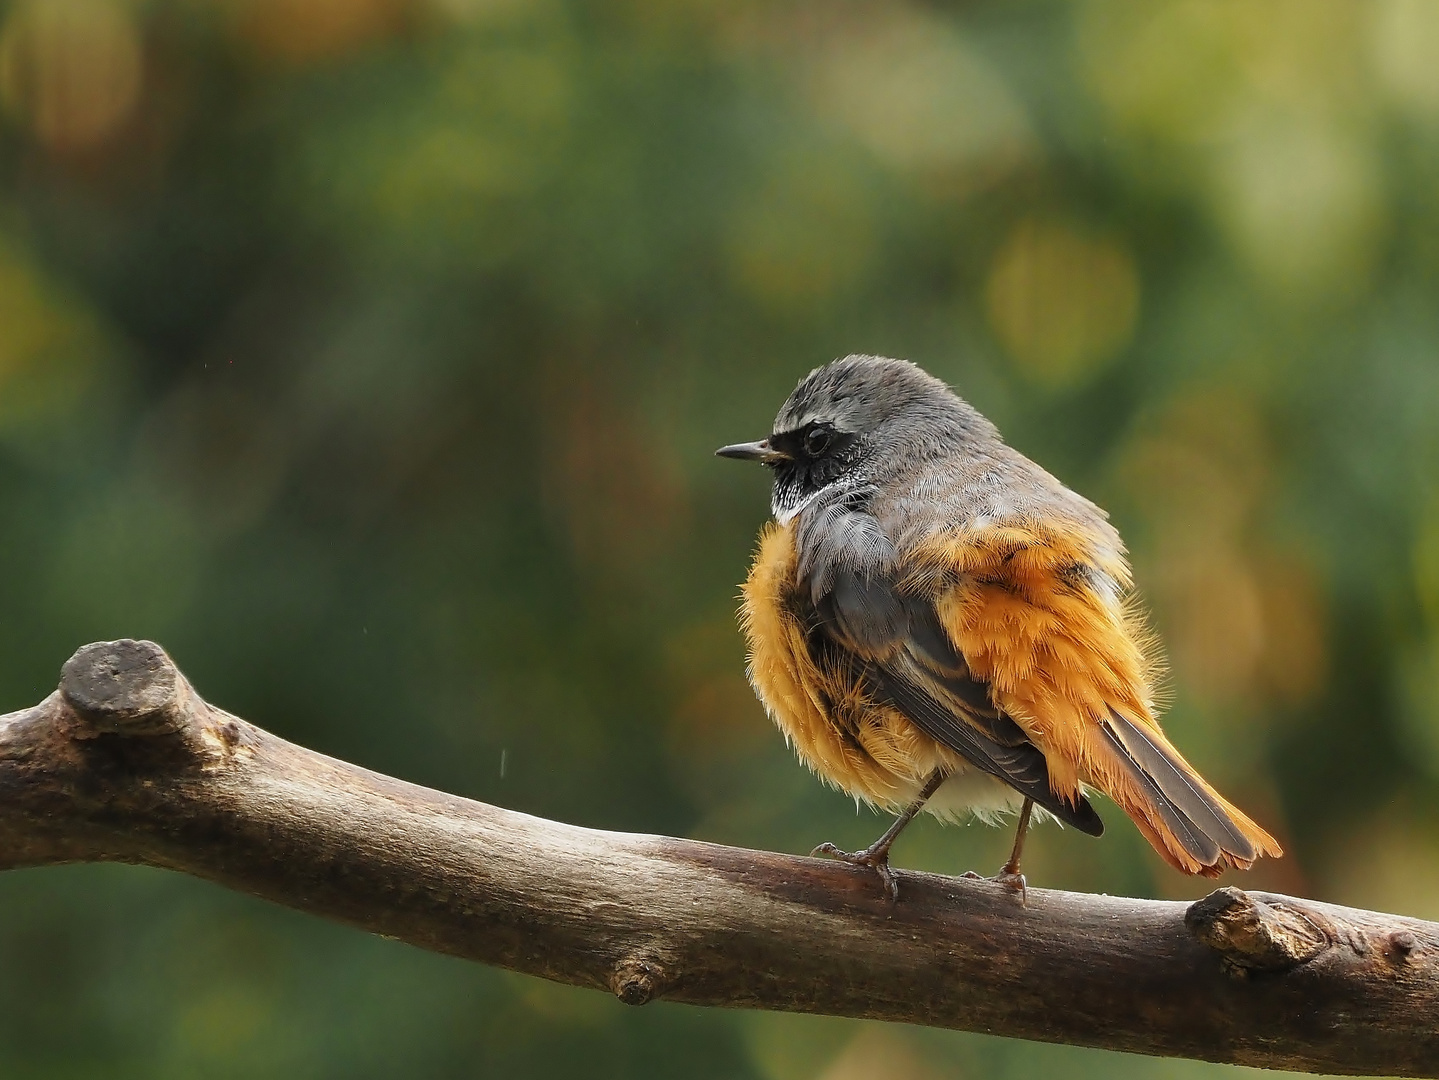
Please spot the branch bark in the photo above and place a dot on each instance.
(127, 763)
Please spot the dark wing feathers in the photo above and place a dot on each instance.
(896, 644)
(930, 646)
(863, 613)
(1200, 823)
(1021, 766)
(845, 559)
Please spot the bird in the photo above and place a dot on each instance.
(935, 623)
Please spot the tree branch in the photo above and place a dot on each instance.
(127, 763)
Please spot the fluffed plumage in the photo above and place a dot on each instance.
(928, 598)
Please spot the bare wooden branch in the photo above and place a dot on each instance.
(127, 763)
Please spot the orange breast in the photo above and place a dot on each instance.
(870, 751)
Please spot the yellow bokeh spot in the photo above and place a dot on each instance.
(1166, 69)
(880, 1051)
(1406, 43)
(1300, 201)
(914, 92)
(1269, 105)
(48, 346)
(1061, 302)
(28, 326)
(219, 1024)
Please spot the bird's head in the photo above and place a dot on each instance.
(862, 419)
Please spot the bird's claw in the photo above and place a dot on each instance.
(1015, 882)
(878, 861)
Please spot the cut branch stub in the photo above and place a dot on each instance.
(1253, 936)
(127, 687)
(636, 981)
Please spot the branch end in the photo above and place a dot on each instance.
(127, 687)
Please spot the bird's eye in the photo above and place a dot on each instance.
(817, 441)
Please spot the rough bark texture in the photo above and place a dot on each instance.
(127, 763)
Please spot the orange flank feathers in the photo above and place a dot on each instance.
(1069, 664)
(1035, 611)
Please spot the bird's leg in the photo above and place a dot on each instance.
(877, 854)
(1009, 874)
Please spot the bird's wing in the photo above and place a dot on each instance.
(1033, 609)
(896, 646)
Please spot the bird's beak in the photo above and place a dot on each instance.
(753, 451)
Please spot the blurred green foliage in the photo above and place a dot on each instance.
(369, 354)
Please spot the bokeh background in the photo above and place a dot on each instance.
(370, 354)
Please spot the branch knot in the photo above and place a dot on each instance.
(1253, 936)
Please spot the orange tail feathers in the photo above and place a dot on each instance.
(1193, 827)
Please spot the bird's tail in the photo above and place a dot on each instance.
(1190, 824)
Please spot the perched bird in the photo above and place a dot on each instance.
(935, 622)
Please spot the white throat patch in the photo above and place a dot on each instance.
(785, 514)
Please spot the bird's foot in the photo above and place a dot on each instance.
(1014, 881)
(1010, 879)
(876, 858)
